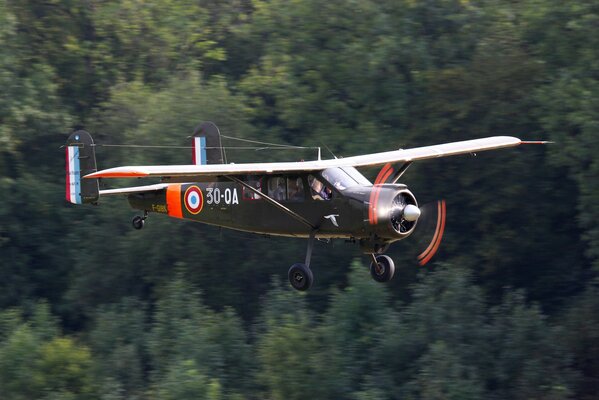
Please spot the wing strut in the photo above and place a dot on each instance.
(273, 202)
(401, 171)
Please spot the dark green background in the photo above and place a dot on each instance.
(510, 307)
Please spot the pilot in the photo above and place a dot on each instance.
(315, 186)
(319, 191)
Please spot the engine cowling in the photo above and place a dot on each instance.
(392, 212)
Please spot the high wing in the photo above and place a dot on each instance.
(368, 160)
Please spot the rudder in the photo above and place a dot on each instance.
(206, 145)
(80, 161)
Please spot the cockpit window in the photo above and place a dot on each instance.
(357, 176)
(318, 190)
(295, 188)
(255, 182)
(340, 179)
(277, 188)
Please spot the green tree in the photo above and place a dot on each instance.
(292, 349)
(564, 38)
(529, 360)
(59, 36)
(36, 362)
(118, 341)
(579, 334)
(18, 353)
(32, 117)
(446, 307)
(186, 336)
(441, 375)
(152, 40)
(64, 369)
(30, 104)
(184, 381)
(350, 329)
(570, 116)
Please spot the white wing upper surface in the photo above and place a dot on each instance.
(367, 160)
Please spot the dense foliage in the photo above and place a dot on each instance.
(90, 309)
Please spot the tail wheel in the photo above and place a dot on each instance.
(383, 270)
(300, 277)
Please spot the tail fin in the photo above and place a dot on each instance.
(80, 161)
(207, 148)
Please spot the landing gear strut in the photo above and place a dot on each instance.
(382, 268)
(138, 222)
(300, 275)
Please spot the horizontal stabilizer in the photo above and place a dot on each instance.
(134, 189)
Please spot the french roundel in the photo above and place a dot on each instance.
(194, 199)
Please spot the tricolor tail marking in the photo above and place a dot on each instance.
(199, 150)
(432, 248)
(73, 170)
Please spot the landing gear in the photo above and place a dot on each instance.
(382, 268)
(138, 222)
(300, 275)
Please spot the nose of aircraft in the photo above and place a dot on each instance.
(411, 213)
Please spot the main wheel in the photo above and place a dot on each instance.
(383, 270)
(300, 277)
(138, 222)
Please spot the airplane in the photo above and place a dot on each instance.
(318, 199)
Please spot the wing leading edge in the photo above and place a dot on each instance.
(367, 160)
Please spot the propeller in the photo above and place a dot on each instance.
(404, 213)
(429, 231)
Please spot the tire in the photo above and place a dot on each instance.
(300, 277)
(138, 222)
(384, 270)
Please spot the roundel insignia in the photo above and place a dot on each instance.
(194, 199)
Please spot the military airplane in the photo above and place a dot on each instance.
(319, 199)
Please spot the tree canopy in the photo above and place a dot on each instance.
(90, 309)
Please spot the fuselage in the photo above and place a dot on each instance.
(339, 202)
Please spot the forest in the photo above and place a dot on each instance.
(509, 307)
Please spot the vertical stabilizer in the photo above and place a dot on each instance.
(207, 148)
(80, 161)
